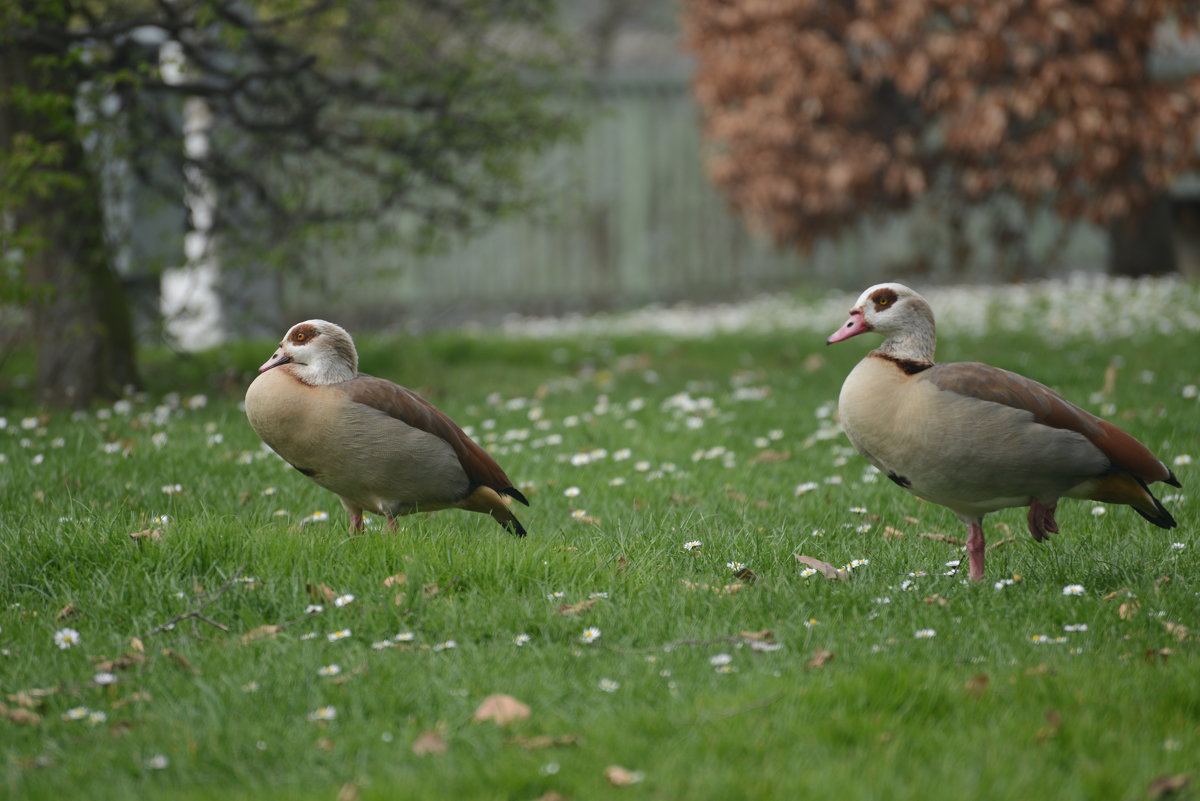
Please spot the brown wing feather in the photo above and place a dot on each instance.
(1049, 408)
(409, 407)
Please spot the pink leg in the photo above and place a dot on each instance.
(356, 522)
(392, 524)
(1041, 519)
(975, 548)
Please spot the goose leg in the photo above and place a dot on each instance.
(1041, 519)
(975, 547)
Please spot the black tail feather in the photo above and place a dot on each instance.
(515, 494)
(512, 526)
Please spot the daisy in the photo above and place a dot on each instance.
(808, 571)
(608, 685)
(340, 634)
(314, 609)
(445, 645)
(1075, 627)
(1073, 589)
(104, 677)
(692, 545)
(76, 713)
(735, 566)
(343, 600)
(65, 638)
(521, 639)
(925, 634)
(157, 762)
(323, 713)
(590, 634)
(329, 670)
(716, 660)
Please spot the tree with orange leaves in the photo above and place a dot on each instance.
(819, 112)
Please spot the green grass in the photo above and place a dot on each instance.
(978, 711)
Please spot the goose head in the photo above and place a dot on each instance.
(319, 351)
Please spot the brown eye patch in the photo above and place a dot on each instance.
(303, 333)
(884, 298)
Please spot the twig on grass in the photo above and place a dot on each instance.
(195, 614)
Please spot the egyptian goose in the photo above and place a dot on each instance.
(379, 447)
(975, 438)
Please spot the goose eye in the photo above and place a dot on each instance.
(299, 337)
(881, 302)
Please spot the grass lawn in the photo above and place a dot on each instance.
(696, 683)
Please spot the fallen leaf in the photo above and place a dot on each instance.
(122, 662)
(1115, 593)
(890, 533)
(827, 570)
(501, 709)
(394, 580)
(20, 715)
(622, 777)
(320, 592)
(1052, 728)
(179, 659)
(820, 658)
(1163, 786)
(1002, 543)
(26, 700)
(265, 631)
(1155, 655)
(400, 599)
(575, 609)
(946, 538)
(132, 698)
(730, 589)
(1159, 582)
(429, 742)
(595, 521)
(935, 599)
(431, 589)
(147, 534)
(349, 792)
(977, 684)
(769, 455)
(766, 635)
(1129, 609)
(544, 741)
(747, 575)
(136, 644)
(1179, 630)
(67, 612)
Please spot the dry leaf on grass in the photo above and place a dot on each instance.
(146, 535)
(769, 455)
(136, 644)
(1052, 728)
(1179, 630)
(1129, 609)
(575, 609)
(1115, 593)
(765, 635)
(122, 662)
(544, 741)
(746, 574)
(320, 592)
(67, 612)
(20, 715)
(935, 599)
(1001, 543)
(1164, 786)
(820, 659)
(827, 570)
(179, 659)
(267, 631)
(349, 792)
(622, 777)
(394, 580)
(429, 742)
(501, 709)
(977, 684)
(890, 533)
(1156, 655)
(946, 538)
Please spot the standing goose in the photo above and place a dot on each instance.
(379, 447)
(975, 438)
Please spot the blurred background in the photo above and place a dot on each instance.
(193, 172)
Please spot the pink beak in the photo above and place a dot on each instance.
(277, 358)
(857, 324)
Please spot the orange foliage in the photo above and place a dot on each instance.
(817, 112)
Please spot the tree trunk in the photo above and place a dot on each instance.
(1143, 246)
(81, 324)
